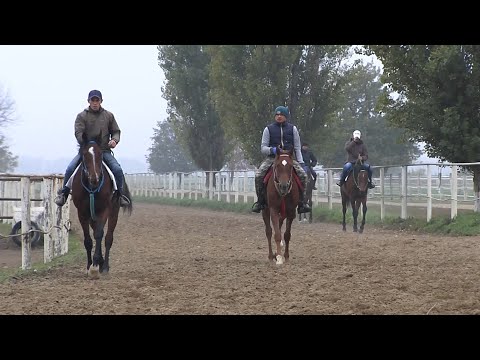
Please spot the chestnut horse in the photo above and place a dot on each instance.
(354, 192)
(282, 196)
(92, 194)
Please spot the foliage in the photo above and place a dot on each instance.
(249, 81)
(8, 162)
(433, 92)
(192, 115)
(357, 100)
(166, 154)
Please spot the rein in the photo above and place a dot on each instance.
(92, 191)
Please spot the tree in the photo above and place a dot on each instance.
(8, 162)
(166, 154)
(357, 100)
(192, 114)
(433, 91)
(249, 81)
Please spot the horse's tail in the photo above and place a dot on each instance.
(126, 191)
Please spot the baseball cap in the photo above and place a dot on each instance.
(95, 93)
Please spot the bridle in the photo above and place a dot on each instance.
(92, 190)
(278, 186)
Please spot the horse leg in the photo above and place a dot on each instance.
(355, 215)
(96, 267)
(112, 223)
(287, 236)
(344, 211)
(364, 212)
(268, 231)
(277, 235)
(87, 239)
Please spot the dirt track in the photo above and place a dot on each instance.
(175, 260)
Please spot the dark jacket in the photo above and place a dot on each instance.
(354, 148)
(93, 122)
(276, 129)
(309, 158)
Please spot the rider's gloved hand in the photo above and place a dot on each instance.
(274, 150)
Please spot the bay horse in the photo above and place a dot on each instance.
(92, 194)
(354, 192)
(308, 198)
(282, 186)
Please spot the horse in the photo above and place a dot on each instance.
(282, 187)
(354, 191)
(92, 194)
(308, 198)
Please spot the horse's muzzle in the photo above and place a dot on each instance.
(284, 187)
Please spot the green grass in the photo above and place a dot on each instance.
(467, 223)
(76, 254)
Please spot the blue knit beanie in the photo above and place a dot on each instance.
(282, 110)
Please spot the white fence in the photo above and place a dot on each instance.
(419, 185)
(19, 191)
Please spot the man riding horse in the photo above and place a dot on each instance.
(285, 135)
(355, 147)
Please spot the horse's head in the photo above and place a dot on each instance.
(283, 171)
(360, 176)
(92, 157)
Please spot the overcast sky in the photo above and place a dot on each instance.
(50, 84)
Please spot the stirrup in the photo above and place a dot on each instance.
(371, 185)
(124, 200)
(340, 182)
(61, 199)
(257, 207)
(304, 209)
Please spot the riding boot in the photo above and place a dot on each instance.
(303, 207)
(370, 184)
(314, 187)
(342, 178)
(124, 200)
(260, 204)
(62, 197)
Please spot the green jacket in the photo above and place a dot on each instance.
(93, 122)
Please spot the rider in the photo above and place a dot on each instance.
(93, 121)
(311, 161)
(355, 147)
(282, 134)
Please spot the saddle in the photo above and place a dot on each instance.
(110, 174)
(295, 176)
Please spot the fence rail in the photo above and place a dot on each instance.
(19, 191)
(427, 185)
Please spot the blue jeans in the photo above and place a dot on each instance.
(71, 168)
(348, 166)
(107, 158)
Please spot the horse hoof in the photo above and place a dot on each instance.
(93, 272)
(279, 260)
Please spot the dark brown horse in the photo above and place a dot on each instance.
(92, 194)
(282, 200)
(308, 198)
(354, 191)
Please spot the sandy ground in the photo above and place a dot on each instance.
(176, 260)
